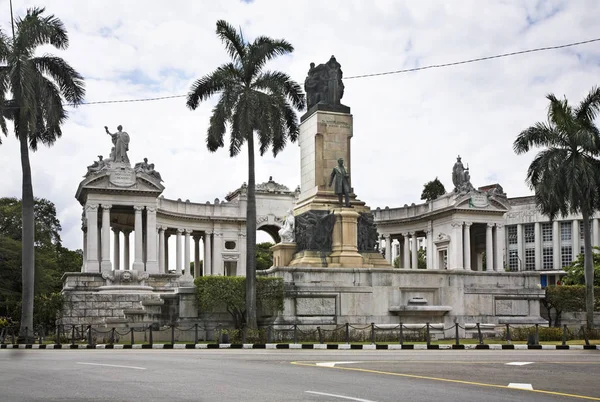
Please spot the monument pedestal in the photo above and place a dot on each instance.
(344, 247)
(283, 253)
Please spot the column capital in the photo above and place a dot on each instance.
(468, 223)
(180, 230)
(500, 225)
(387, 236)
(91, 207)
(139, 208)
(106, 206)
(208, 232)
(116, 230)
(456, 224)
(412, 234)
(218, 234)
(491, 225)
(151, 208)
(187, 231)
(405, 234)
(196, 237)
(127, 232)
(162, 228)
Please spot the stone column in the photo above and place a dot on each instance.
(500, 247)
(556, 245)
(186, 254)
(456, 260)
(406, 263)
(151, 252)
(106, 265)
(91, 215)
(489, 248)
(388, 248)
(242, 245)
(197, 271)
(83, 267)
(126, 260)
(537, 234)
(429, 249)
(467, 245)
(167, 235)
(414, 264)
(161, 249)
(116, 249)
(208, 253)
(138, 263)
(520, 247)
(179, 256)
(218, 268)
(575, 238)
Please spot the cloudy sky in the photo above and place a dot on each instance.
(408, 128)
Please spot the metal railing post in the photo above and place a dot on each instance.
(508, 338)
(295, 333)
(112, 336)
(456, 338)
(196, 333)
(89, 335)
(537, 334)
(401, 335)
(373, 333)
(347, 333)
(320, 335)
(132, 336)
(172, 334)
(480, 336)
(564, 335)
(73, 335)
(150, 339)
(58, 334)
(428, 335)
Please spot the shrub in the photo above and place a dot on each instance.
(567, 298)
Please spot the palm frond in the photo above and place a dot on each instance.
(70, 81)
(234, 41)
(538, 135)
(278, 82)
(202, 89)
(589, 107)
(35, 30)
(262, 50)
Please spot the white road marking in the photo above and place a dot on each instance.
(339, 396)
(112, 365)
(518, 385)
(332, 364)
(518, 363)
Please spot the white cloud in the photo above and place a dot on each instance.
(408, 127)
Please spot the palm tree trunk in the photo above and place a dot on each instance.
(27, 251)
(251, 240)
(588, 264)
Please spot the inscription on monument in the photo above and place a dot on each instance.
(335, 123)
(123, 178)
(478, 201)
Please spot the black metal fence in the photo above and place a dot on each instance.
(402, 334)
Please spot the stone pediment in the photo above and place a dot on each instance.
(119, 180)
(483, 201)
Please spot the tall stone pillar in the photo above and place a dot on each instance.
(556, 245)
(575, 237)
(161, 249)
(218, 267)
(208, 253)
(197, 270)
(489, 248)
(167, 235)
(83, 267)
(500, 247)
(151, 252)
(414, 264)
(457, 248)
(406, 262)
(243, 248)
(126, 260)
(186, 255)
(429, 249)
(467, 246)
(520, 247)
(116, 249)
(106, 265)
(138, 263)
(179, 256)
(388, 248)
(537, 234)
(91, 215)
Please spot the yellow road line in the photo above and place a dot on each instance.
(479, 384)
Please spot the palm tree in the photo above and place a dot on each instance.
(38, 85)
(251, 100)
(565, 175)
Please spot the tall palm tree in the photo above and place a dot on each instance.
(38, 85)
(565, 175)
(251, 100)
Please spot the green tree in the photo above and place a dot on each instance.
(575, 271)
(251, 100)
(264, 255)
(432, 190)
(566, 172)
(38, 85)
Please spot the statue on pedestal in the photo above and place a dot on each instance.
(342, 184)
(323, 83)
(97, 166)
(461, 177)
(286, 233)
(120, 140)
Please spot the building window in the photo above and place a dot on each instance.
(565, 231)
(529, 233)
(546, 231)
(581, 230)
(512, 234)
(230, 245)
(230, 268)
(547, 258)
(513, 260)
(529, 259)
(566, 256)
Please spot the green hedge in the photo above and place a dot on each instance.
(216, 292)
(568, 298)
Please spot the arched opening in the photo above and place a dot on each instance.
(266, 236)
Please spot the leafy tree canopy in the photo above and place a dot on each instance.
(432, 190)
(264, 255)
(47, 225)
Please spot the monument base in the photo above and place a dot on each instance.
(283, 253)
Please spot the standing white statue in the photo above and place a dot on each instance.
(120, 140)
(286, 233)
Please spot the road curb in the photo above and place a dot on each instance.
(318, 346)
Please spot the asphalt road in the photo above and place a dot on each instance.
(302, 375)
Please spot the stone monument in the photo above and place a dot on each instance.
(328, 212)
